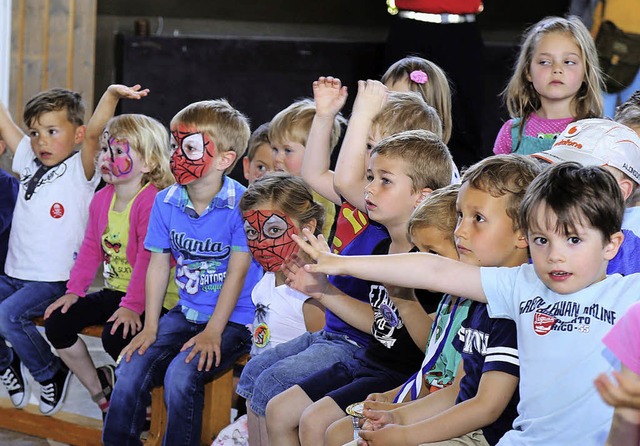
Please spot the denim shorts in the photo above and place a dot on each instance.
(274, 371)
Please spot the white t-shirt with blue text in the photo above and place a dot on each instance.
(561, 353)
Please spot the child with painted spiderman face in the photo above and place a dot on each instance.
(196, 221)
(273, 208)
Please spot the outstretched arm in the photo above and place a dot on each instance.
(354, 312)
(412, 270)
(101, 115)
(329, 96)
(9, 131)
(350, 177)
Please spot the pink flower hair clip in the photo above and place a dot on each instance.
(419, 77)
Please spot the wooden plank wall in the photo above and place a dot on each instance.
(52, 45)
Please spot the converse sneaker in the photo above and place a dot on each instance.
(106, 375)
(54, 391)
(15, 381)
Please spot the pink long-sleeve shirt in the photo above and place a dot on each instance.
(91, 254)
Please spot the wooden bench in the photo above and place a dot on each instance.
(81, 430)
(215, 414)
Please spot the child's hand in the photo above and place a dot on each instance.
(140, 343)
(391, 435)
(329, 96)
(313, 285)
(377, 419)
(63, 302)
(380, 405)
(122, 91)
(207, 344)
(318, 250)
(129, 319)
(372, 95)
(624, 393)
(378, 397)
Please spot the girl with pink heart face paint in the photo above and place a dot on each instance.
(134, 162)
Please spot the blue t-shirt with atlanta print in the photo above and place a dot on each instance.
(202, 245)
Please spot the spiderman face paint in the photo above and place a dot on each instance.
(192, 153)
(269, 237)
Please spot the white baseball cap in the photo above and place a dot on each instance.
(597, 142)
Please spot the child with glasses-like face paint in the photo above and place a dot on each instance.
(273, 208)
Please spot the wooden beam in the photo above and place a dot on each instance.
(64, 427)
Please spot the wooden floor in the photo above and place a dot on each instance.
(77, 404)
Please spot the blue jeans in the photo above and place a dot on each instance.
(20, 302)
(183, 383)
(274, 371)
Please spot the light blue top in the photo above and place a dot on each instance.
(631, 220)
(561, 353)
(202, 246)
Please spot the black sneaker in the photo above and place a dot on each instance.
(54, 391)
(15, 381)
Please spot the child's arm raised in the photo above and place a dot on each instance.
(329, 96)
(9, 131)
(412, 270)
(207, 343)
(350, 177)
(158, 275)
(103, 112)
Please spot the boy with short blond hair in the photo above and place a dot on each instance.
(198, 222)
(259, 159)
(288, 133)
(397, 323)
(563, 303)
(57, 184)
(404, 111)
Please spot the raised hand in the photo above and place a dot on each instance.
(318, 250)
(372, 95)
(123, 92)
(311, 284)
(329, 96)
